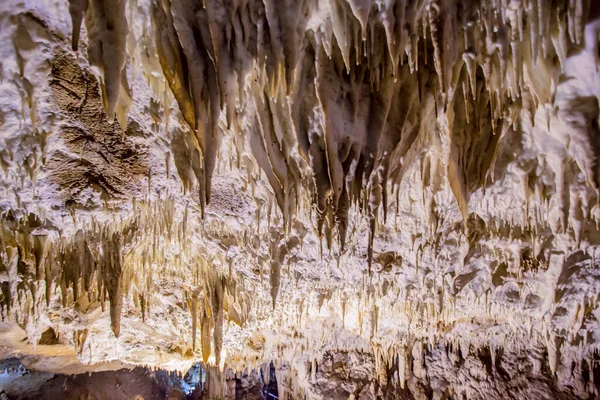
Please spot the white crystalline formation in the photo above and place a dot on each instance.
(402, 195)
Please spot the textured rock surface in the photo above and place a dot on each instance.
(17, 382)
(386, 198)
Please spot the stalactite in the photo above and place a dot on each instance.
(467, 110)
(112, 269)
(107, 32)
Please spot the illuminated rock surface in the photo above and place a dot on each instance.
(386, 198)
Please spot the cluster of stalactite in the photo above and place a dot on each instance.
(335, 102)
(89, 264)
(105, 262)
(337, 98)
(209, 303)
(107, 29)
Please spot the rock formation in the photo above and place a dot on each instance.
(386, 198)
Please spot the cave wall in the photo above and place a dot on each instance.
(246, 181)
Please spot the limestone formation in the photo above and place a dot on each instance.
(393, 198)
